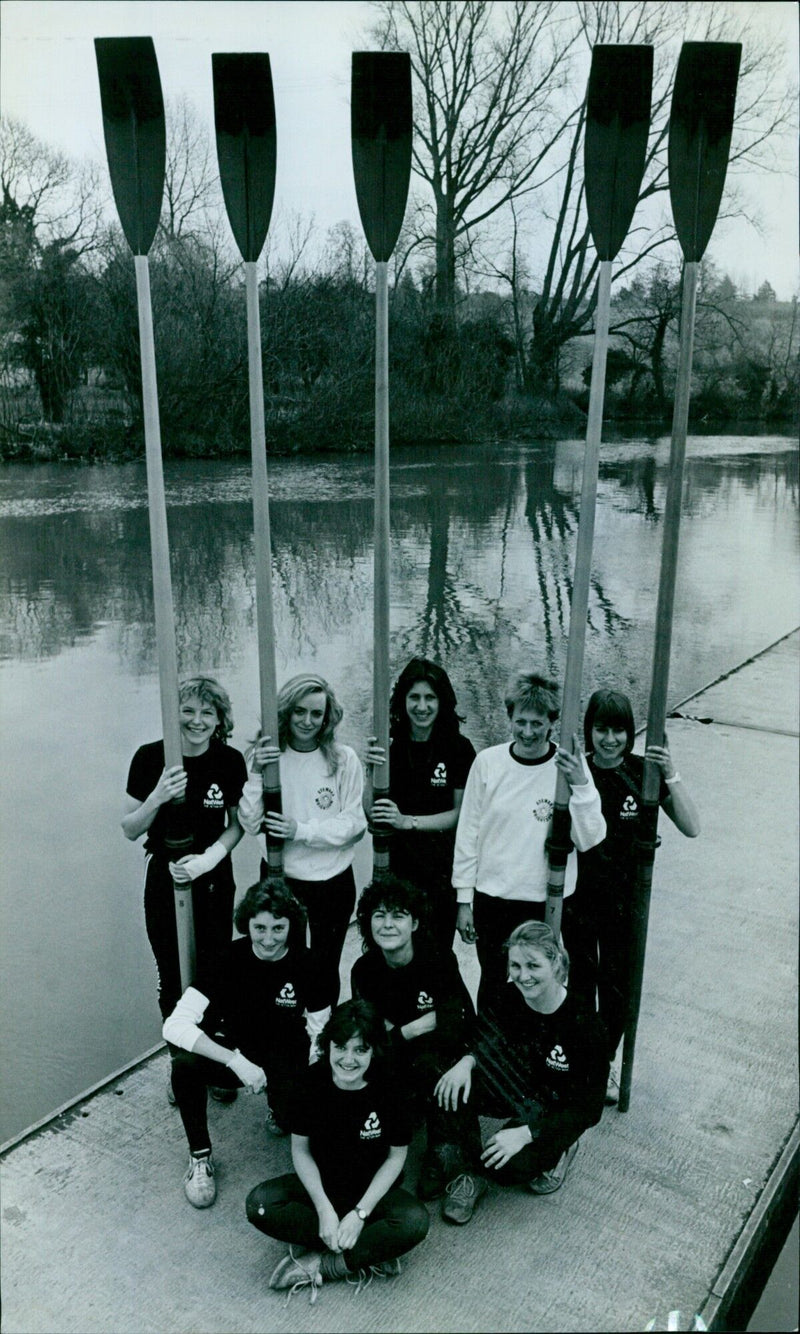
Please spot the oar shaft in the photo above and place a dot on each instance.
(162, 590)
(579, 607)
(262, 546)
(657, 711)
(381, 585)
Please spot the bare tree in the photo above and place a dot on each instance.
(191, 185)
(486, 77)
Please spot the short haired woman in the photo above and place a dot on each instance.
(429, 761)
(210, 779)
(350, 1134)
(322, 818)
(249, 1026)
(598, 917)
(538, 1058)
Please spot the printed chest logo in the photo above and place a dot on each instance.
(629, 809)
(371, 1128)
(214, 800)
(324, 798)
(543, 809)
(557, 1060)
(424, 1001)
(439, 775)
(286, 996)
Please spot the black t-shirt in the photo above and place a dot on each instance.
(544, 1068)
(350, 1131)
(258, 1005)
(431, 981)
(612, 861)
(423, 778)
(214, 781)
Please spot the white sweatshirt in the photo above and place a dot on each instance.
(504, 821)
(327, 808)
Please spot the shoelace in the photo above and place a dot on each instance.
(314, 1279)
(462, 1188)
(363, 1277)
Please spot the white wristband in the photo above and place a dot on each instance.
(676, 778)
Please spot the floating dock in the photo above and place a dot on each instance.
(668, 1208)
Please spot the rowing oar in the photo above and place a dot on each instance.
(701, 123)
(381, 128)
(135, 135)
(615, 146)
(244, 116)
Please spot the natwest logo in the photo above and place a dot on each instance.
(371, 1128)
(557, 1060)
(286, 996)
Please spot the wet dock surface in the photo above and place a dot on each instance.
(97, 1235)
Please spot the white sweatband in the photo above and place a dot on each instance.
(181, 1028)
(676, 778)
(205, 862)
(315, 1022)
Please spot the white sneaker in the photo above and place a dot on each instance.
(199, 1183)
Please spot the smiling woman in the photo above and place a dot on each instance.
(207, 787)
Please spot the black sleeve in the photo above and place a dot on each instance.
(399, 1121)
(359, 980)
(306, 1098)
(236, 776)
(315, 991)
(455, 1015)
(145, 770)
(462, 761)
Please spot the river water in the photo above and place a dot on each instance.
(482, 551)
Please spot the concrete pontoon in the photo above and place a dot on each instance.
(666, 1208)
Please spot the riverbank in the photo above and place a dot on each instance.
(665, 1206)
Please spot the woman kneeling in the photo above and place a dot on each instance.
(539, 1058)
(350, 1134)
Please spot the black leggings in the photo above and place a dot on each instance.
(599, 942)
(212, 908)
(193, 1075)
(463, 1133)
(282, 1208)
(495, 919)
(329, 904)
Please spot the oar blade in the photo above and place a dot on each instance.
(244, 117)
(700, 128)
(381, 121)
(615, 144)
(135, 133)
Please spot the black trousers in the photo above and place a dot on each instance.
(193, 1075)
(329, 904)
(212, 907)
(598, 935)
(282, 1208)
(495, 919)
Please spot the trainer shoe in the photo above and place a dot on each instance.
(612, 1089)
(221, 1094)
(463, 1194)
(272, 1125)
(199, 1183)
(296, 1272)
(549, 1182)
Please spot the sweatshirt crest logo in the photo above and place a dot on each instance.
(424, 1001)
(543, 809)
(324, 798)
(557, 1059)
(371, 1128)
(286, 996)
(439, 775)
(214, 799)
(629, 809)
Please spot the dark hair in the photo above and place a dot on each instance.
(388, 892)
(354, 1018)
(422, 669)
(274, 896)
(209, 691)
(612, 708)
(540, 937)
(528, 690)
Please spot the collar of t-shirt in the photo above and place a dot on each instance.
(551, 750)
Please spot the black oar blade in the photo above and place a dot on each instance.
(700, 127)
(244, 115)
(615, 145)
(381, 122)
(135, 133)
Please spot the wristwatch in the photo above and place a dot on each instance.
(362, 1213)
